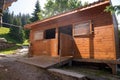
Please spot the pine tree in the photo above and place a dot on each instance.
(37, 14)
(16, 32)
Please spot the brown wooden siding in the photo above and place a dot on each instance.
(99, 45)
(66, 45)
(45, 47)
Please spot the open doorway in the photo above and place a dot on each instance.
(64, 40)
(66, 30)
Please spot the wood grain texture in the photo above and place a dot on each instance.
(45, 47)
(66, 45)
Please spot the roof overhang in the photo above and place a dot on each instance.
(5, 4)
(92, 5)
(8, 3)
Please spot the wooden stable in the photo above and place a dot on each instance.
(84, 33)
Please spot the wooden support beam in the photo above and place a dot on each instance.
(114, 68)
(111, 63)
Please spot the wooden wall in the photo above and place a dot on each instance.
(45, 47)
(100, 45)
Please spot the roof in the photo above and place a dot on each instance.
(8, 3)
(92, 5)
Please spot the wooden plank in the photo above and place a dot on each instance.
(97, 61)
(45, 47)
(44, 61)
(66, 45)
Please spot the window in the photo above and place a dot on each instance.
(50, 33)
(82, 28)
(38, 35)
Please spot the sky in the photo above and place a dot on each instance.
(27, 6)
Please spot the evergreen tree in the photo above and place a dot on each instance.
(16, 32)
(6, 17)
(37, 14)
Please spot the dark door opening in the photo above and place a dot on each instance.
(65, 30)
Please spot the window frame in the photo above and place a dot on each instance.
(37, 35)
(81, 23)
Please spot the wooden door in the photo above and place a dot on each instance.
(66, 45)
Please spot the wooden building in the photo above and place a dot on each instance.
(3, 5)
(84, 33)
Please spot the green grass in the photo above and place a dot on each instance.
(26, 42)
(4, 30)
(10, 50)
(4, 33)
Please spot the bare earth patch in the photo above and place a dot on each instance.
(12, 70)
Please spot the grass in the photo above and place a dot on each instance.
(4, 30)
(10, 50)
(4, 33)
(26, 42)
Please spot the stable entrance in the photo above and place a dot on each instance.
(65, 41)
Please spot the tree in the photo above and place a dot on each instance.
(72, 4)
(16, 32)
(53, 7)
(25, 19)
(37, 14)
(49, 8)
(7, 18)
(113, 9)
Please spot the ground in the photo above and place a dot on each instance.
(93, 73)
(11, 69)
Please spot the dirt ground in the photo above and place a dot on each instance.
(10, 69)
